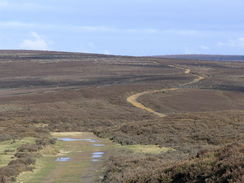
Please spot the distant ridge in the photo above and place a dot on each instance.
(51, 55)
(206, 57)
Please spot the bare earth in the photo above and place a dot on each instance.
(133, 98)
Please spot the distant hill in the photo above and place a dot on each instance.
(206, 57)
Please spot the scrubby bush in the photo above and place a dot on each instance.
(45, 141)
(25, 157)
(224, 165)
(185, 132)
(3, 179)
(28, 148)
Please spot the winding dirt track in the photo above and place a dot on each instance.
(133, 98)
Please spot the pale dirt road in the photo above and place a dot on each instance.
(133, 98)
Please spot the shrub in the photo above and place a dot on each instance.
(223, 165)
(28, 148)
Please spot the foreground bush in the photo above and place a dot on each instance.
(223, 165)
(188, 133)
(25, 156)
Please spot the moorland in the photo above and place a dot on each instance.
(198, 137)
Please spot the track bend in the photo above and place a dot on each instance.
(133, 98)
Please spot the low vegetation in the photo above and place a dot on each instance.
(22, 155)
(187, 133)
(44, 92)
(220, 165)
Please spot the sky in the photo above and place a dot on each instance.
(124, 27)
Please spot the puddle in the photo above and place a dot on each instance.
(95, 160)
(91, 140)
(73, 140)
(98, 145)
(63, 159)
(69, 139)
(97, 155)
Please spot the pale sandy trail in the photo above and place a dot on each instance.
(187, 71)
(133, 98)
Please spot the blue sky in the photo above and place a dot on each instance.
(125, 27)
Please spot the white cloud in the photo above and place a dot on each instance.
(16, 24)
(191, 51)
(93, 28)
(204, 47)
(84, 28)
(13, 24)
(234, 43)
(111, 29)
(241, 39)
(106, 52)
(87, 47)
(19, 24)
(91, 45)
(4, 4)
(21, 6)
(37, 42)
(187, 32)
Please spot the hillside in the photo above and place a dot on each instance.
(206, 57)
(154, 118)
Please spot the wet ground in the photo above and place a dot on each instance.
(80, 159)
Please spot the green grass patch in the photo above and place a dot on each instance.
(150, 149)
(10, 107)
(8, 149)
(52, 150)
(43, 167)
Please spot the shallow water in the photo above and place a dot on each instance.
(96, 156)
(73, 140)
(91, 140)
(98, 145)
(63, 159)
(98, 153)
(69, 139)
(95, 160)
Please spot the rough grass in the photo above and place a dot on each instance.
(216, 166)
(194, 100)
(48, 92)
(8, 108)
(147, 149)
(9, 148)
(187, 133)
(38, 172)
(21, 158)
(43, 165)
